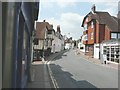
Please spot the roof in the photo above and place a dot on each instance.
(112, 41)
(104, 18)
(40, 29)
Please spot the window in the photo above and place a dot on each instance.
(49, 31)
(85, 37)
(87, 19)
(118, 35)
(85, 27)
(92, 26)
(113, 35)
(91, 34)
(35, 41)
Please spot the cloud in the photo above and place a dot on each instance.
(97, 1)
(104, 5)
(69, 23)
(59, 3)
(66, 3)
(112, 11)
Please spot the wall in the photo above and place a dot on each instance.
(107, 33)
(102, 33)
(67, 45)
(56, 45)
(96, 51)
(97, 33)
(40, 45)
(90, 30)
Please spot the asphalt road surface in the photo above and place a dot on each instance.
(72, 71)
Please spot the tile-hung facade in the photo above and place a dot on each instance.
(98, 26)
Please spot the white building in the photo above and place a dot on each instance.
(58, 41)
(69, 43)
(81, 46)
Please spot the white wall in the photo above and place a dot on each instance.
(81, 45)
(96, 51)
(56, 45)
(68, 45)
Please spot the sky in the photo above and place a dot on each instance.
(69, 14)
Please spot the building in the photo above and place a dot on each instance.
(46, 40)
(18, 24)
(81, 46)
(58, 41)
(98, 26)
(40, 48)
(69, 43)
(110, 51)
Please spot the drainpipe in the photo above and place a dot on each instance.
(43, 51)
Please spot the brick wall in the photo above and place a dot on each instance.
(107, 33)
(90, 30)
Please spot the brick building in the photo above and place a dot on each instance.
(98, 26)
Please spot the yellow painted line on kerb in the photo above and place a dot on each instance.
(51, 75)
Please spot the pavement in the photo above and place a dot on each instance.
(40, 75)
(97, 61)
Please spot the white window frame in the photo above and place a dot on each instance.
(91, 35)
(113, 35)
(92, 25)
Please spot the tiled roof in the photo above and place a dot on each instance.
(40, 29)
(108, 20)
(104, 18)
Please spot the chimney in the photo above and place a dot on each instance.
(93, 8)
(58, 29)
(43, 20)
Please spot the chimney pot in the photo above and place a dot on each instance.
(43, 20)
(93, 8)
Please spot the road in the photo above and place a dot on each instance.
(72, 71)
